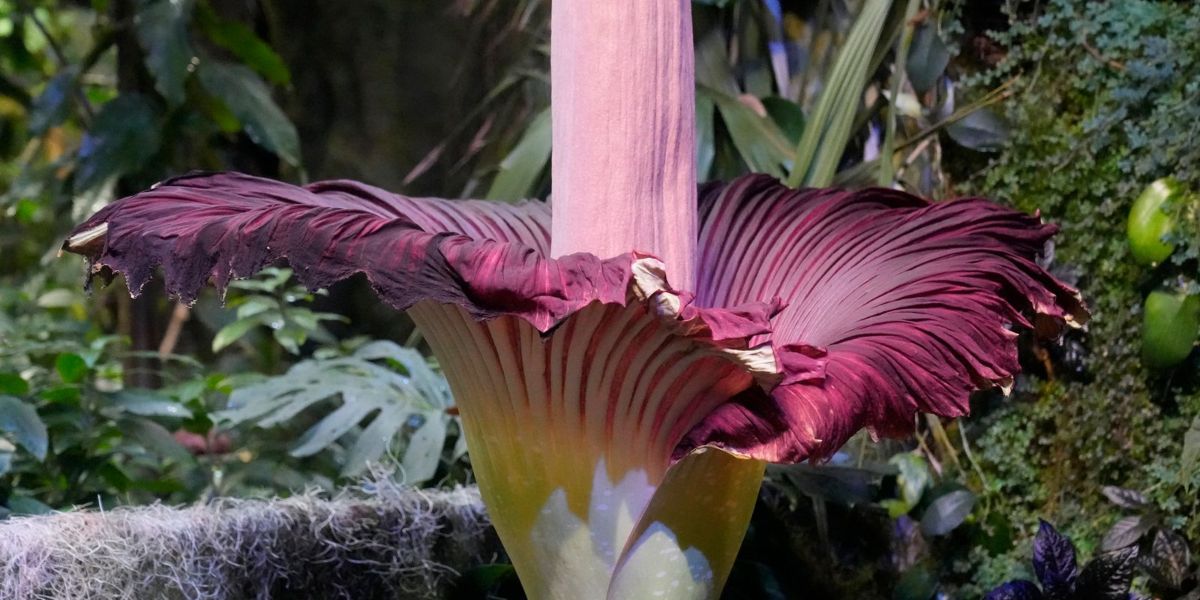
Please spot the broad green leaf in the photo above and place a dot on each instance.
(913, 477)
(124, 135)
(758, 140)
(20, 420)
(162, 31)
(830, 126)
(916, 584)
(382, 398)
(255, 305)
(947, 512)
(13, 385)
(424, 450)
(981, 130)
(59, 298)
(155, 438)
(249, 99)
(520, 170)
(927, 57)
(787, 115)
(114, 476)
(54, 104)
(147, 403)
(291, 336)
(713, 70)
(24, 505)
(243, 43)
(71, 367)
(267, 280)
(374, 439)
(239, 328)
(334, 425)
(6, 458)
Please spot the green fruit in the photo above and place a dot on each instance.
(1170, 327)
(1148, 222)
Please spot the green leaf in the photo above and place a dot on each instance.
(520, 170)
(64, 394)
(424, 450)
(6, 458)
(20, 420)
(71, 367)
(886, 171)
(375, 439)
(787, 115)
(114, 476)
(705, 135)
(59, 298)
(844, 485)
(333, 426)
(829, 128)
(383, 397)
(249, 99)
(162, 31)
(147, 403)
(981, 130)
(913, 477)
(239, 328)
(927, 57)
(24, 505)
(255, 305)
(758, 140)
(243, 43)
(267, 280)
(916, 584)
(947, 512)
(291, 336)
(54, 104)
(124, 135)
(155, 438)
(13, 385)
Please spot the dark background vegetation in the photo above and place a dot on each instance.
(1070, 107)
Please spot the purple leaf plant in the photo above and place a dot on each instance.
(1107, 577)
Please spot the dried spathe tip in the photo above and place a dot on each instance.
(86, 242)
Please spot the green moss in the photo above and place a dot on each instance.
(1108, 100)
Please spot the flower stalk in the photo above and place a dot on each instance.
(623, 102)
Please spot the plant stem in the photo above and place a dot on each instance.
(899, 74)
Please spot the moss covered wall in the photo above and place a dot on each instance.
(1107, 100)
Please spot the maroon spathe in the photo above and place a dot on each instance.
(878, 304)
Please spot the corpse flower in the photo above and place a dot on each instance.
(626, 358)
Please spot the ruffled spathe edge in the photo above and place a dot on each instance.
(850, 309)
